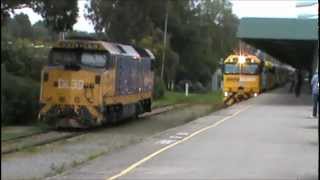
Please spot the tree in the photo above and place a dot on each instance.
(59, 15)
(20, 26)
(42, 33)
(124, 21)
(200, 31)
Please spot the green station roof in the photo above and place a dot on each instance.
(292, 41)
(278, 28)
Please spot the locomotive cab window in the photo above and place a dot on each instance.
(250, 69)
(62, 57)
(94, 59)
(84, 58)
(231, 69)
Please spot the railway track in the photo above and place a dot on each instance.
(38, 139)
(23, 136)
(47, 137)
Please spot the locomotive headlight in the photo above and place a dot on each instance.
(242, 59)
(225, 93)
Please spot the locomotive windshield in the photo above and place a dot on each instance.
(90, 59)
(62, 57)
(231, 69)
(245, 68)
(250, 69)
(93, 59)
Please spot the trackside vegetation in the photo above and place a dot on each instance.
(193, 98)
(199, 34)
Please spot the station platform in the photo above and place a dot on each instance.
(271, 136)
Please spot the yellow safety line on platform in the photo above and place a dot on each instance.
(133, 166)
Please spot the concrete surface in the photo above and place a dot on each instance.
(48, 160)
(273, 139)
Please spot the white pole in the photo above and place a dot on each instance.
(61, 35)
(187, 89)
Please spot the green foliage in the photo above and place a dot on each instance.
(21, 64)
(199, 32)
(155, 44)
(19, 98)
(8, 133)
(171, 64)
(22, 59)
(20, 26)
(159, 88)
(135, 15)
(59, 15)
(42, 33)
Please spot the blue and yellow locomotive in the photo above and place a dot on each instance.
(89, 82)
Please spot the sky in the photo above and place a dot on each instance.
(271, 8)
(241, 8)
(263, 8)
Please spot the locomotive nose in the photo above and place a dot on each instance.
(71, 87)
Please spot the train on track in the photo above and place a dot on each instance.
(90, 82)
(249, 75)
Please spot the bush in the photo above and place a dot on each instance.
(23, 60)
(19, 99)
(159, 88)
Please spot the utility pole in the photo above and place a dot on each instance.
(164, 40)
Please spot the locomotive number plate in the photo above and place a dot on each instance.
(247, 79)
(70, 84)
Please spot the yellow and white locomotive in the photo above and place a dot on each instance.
(247, 75)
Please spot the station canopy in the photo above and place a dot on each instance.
(292, 41)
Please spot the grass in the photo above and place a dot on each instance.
(11, 132)
(75, 163)
(32, 150)
(94, 156)
(58, 169)
(171, 98)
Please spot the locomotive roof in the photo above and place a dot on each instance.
(269, 61)
(112, 48)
